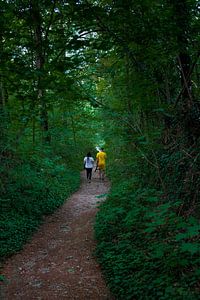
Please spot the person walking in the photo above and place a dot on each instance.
(101, 163)
(88, 165)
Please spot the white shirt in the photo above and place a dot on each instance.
(89, 162)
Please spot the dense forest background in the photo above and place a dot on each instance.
(123, 74)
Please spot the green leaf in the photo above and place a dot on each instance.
(2, 278)
(190, 247)
(101, 196)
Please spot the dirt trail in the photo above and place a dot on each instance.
(58, 262)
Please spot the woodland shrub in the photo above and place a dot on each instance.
(147, 247)
(31, 188)
(180, 173)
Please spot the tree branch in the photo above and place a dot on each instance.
(190, 73)
(49, 25)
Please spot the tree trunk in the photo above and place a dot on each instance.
(187, 106)
(182, 19)
(39, 63)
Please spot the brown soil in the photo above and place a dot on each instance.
(58, 262)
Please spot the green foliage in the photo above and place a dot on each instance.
(146, 249)
(45, 113)
(181, 175)
(148, 229)
(31, 189)
(2, 278)
(123, 72)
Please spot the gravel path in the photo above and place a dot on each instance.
(58, 262)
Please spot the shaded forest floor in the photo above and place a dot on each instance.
(58, 262)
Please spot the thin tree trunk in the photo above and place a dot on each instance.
(40, 61)
(74, 132)
(182, 15)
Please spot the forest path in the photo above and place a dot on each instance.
(58, 262)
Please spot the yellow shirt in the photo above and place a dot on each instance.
(101, 158)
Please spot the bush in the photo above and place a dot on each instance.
(146, 248)
(32, 188)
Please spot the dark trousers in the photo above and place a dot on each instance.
(89, 173)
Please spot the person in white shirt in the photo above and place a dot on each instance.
(88, 165)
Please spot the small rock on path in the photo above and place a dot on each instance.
(58, 262)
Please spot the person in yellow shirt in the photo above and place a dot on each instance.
(101, 163)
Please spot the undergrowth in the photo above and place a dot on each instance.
(148, 243)
(30, 189)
